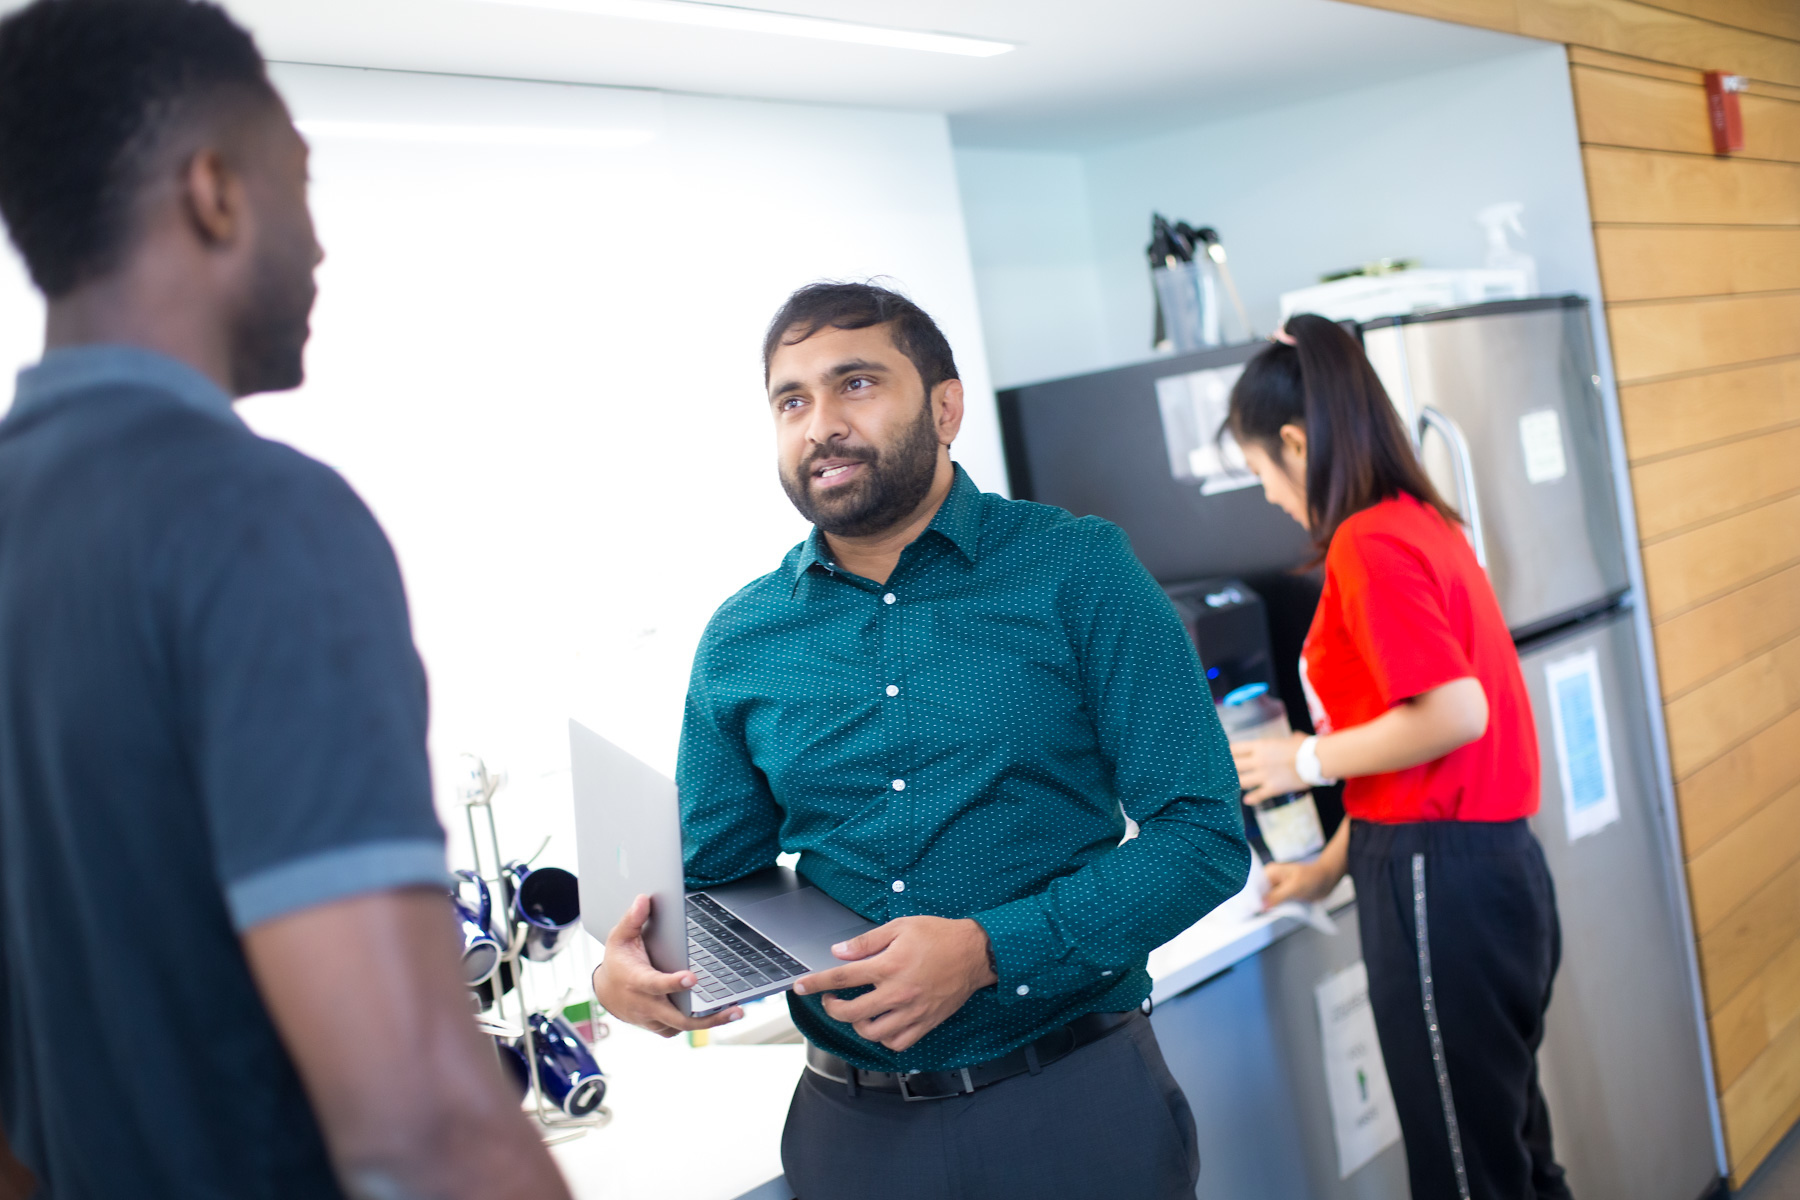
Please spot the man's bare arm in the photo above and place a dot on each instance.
(369, 999)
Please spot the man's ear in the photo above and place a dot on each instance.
(947, 410)
(212, 197)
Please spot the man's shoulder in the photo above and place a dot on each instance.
(1045, 530)
(758, 599)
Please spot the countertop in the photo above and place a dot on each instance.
(705, 1123)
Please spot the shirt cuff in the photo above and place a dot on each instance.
(1028, 952)
(335, 874)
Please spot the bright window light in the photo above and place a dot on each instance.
(756, 20)
(476, 135)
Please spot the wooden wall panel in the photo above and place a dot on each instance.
(1693, 567)
(1704, 485)
(1750, 937)
(1723, 794)
(1710, 639)
(1669, 337)
(1764, 1099)
(1650, 187)
(1739, 864)
(1779, 17)
(1587, 56)
(1626, 27)
(1672, 415)
(1716, 716)
(1621, 109)
(1660, 262)
(1761, 1012)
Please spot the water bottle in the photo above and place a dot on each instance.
(1289, 823)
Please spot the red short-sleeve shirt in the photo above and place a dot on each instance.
(1406, 608)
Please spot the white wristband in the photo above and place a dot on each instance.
(1306, 764)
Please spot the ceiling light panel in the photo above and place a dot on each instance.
(756, 20)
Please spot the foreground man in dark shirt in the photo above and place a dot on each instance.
(227, 967)
(941, 701)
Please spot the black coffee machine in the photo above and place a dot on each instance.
(1229, 622)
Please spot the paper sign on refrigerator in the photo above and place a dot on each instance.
(1356, 1082)
(1583, 748)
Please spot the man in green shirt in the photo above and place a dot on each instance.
(947, 704)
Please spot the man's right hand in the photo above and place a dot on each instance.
(631, 989)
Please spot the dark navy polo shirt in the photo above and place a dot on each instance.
(211, 715)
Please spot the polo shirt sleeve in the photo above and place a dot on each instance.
(730, 823)
(1393, 608)
(307, 704)
(1172, 773)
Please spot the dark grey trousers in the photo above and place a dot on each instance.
(1106, 1122)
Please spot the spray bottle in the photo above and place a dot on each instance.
(1497, 219)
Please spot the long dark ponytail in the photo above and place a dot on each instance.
(1357, 451)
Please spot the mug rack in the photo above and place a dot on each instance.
(499, 1019)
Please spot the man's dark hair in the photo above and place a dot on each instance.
(88, 91)
(857, 306)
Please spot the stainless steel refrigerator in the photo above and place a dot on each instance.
(1505, 403)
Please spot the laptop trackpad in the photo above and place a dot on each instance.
(806, 923)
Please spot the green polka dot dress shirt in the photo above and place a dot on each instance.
(962, 741)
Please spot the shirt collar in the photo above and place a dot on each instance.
(72, 369)
(958, 521)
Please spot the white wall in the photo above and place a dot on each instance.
(539, 364)
(1031, 237)
(1391, 171)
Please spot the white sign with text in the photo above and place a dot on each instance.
(1362, 1105)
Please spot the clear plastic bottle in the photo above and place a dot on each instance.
(1289, 823)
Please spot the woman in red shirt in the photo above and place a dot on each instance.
(1420, 707)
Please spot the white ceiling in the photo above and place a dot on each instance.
(1086, 73)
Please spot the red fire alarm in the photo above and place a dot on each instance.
(1722, 110)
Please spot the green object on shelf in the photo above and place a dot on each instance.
(1381, 266)
(575, 1013)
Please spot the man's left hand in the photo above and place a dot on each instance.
(922, 969)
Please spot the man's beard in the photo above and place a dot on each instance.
(268, 343)
(893, 483)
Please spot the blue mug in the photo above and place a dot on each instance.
(481, 950)
(566, 1070)
(548, 902)
(513, 1065)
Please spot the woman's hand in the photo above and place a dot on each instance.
(1306, 881)
(1303, 881)
(1266, 767)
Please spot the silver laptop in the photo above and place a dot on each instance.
(742, 940)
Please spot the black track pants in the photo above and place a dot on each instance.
(1459, 999)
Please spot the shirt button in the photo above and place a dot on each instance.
(899, 785)
(1024, 989)
(899, 885)
(888, 599)
(892, 690)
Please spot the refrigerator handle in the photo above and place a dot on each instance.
(1467, 502)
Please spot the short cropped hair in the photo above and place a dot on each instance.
(88, 89)
(857, 306)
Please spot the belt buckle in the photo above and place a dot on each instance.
(906, 1092)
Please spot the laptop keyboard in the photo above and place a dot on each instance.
(728, 957)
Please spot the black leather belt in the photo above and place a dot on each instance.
(960, 1081)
